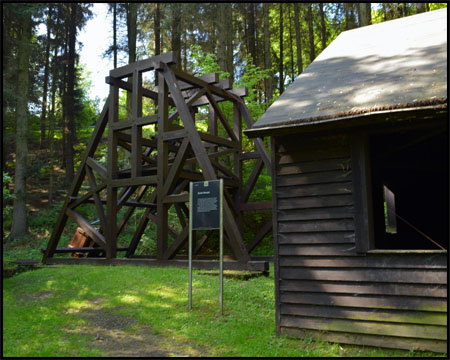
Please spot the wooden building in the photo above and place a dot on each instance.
(360, 188)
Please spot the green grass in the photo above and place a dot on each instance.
(45, 312)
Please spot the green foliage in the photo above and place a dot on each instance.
(6, 194)
(205, 63)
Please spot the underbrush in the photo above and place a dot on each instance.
(48, 312)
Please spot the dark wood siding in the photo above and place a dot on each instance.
(324, 286)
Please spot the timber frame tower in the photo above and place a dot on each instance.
(156, 173)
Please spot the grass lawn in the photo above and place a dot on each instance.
(142, 311)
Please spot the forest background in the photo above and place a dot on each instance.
(48, 116)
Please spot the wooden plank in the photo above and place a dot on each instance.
(368, 327)
(415, 276)
(130, 211)
(262, 232)
(362, 193)
(315, 190)
(315, 166)
(83, 249)
(338, 212)
(222, 168)
(202, 242)
(143, 65)
(249, 155)
(217, 140)
(88, 228)
(317, 238)
(314, 178)
(170, 199)
(174, 135)
(315, 226)
(394, 316)
(348, 287)
(97, 167)
(141, 180)
(315, 202)
(344, 249)
(370, 340)
(384, 262)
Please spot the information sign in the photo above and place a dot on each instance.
(206, 205)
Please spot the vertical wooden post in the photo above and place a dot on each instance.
(136, 131)
(111, 192)
(362, 193)
(237, 129)
(162, 166)
(276, 260)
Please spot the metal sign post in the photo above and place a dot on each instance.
(206, 212)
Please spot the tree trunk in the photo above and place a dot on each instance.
(267, 57)
(281, 50)
(323, 30)
(229, 40)
(350, 21)
(251, 31)
(46, 73)
(291, 45)
(298, 39)
(420, 7)
(312, 52)
(131, 35)
(221, 36)
(19, 225)
(364, 14)
(115, 34)
(70, 97)
(176, 32)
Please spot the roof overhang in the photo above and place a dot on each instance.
(386, 117)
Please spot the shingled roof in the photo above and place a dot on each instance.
(398, 64)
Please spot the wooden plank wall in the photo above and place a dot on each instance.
(323, 286)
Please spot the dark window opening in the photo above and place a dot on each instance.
(410, 189)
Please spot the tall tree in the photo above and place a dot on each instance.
(46, 76)
(19, 225)
(131, 36)
(312, 53)
(323, 30)
(221, 36)
(69, 123)
(290, 44)
(281, 50)
(267, 57)
(364, 14)
(176, 31)
(251, 31)
(114, 5)
(298, 39)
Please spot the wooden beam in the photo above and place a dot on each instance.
(221, 116)
(250, 184)
(97, 167)
(263, 231)
(77, 182)
(177, 244)
(87, 228)
(144, 65)
(97, 200)
(236, 242)
(78, 201)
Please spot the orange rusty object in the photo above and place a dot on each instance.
(80, 240)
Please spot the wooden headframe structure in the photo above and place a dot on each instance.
(162, 165)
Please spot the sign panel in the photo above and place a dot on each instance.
(205, 205)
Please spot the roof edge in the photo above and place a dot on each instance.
(317, 124)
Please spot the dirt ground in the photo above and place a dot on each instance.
(121, 336)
